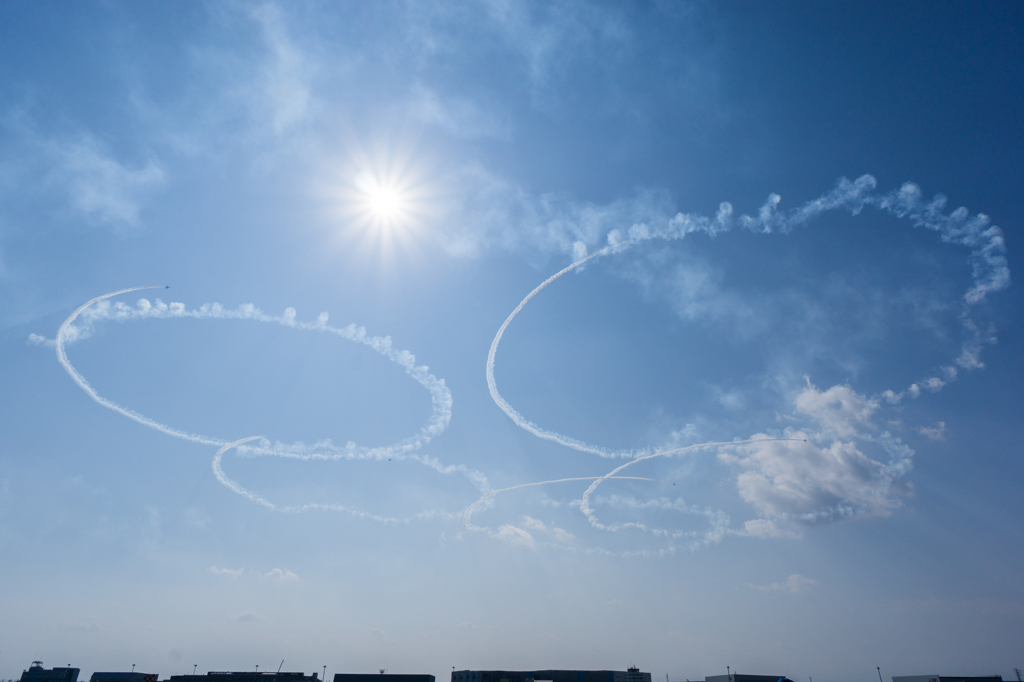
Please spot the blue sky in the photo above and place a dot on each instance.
(349, 200)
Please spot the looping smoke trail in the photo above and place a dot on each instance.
(990, 273)
(612, 476)
(988, 258)
(232, 485)
(407, 449)
(62, 358)
(494, 493)
(519, 419)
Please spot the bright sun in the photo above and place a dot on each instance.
(382, 201)
(385, 203)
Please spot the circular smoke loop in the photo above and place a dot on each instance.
(990, 274)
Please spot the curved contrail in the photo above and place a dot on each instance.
(234, 486)
(62, 358)
(407, 449)
(519, 419)
(610, 476)
(492, 493)
(990, 272)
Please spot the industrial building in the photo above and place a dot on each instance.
(629, 675)
(36, 673)
(124, 677)
(736, 677)
(946, 678)
(247, 676)
(381, 677)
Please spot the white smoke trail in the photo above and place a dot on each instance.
(519, 419)
(614, 476)
(97, 309)
(232, 485)
(990, 273)
(62, 333)
(493, 493)
(988, 258)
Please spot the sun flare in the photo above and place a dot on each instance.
(384, 203)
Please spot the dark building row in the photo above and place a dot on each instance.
(629, 675)
(36, 673)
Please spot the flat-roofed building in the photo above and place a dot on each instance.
(37, 673)
(629, 675)
(123, 677)
(737, 677)
(946, 678)
(381, 677)
(246, 676)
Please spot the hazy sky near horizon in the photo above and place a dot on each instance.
(348, 200)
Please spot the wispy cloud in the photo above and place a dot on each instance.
(514, 536)
(282, 575)
(76, 172)
(287, 72)
(459, 117)
(794, 584)
(937, 432)
(230, 572)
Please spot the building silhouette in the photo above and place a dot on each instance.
(381, 677)
(736, 677)
(36, 673)
(629, 675)
(246, 676)
(946, 678)
(124, 677)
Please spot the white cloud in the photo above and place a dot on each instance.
(99, 186)
(286, 75)
(76, 172)
(821, 474)
(248, 617)
(793, 584)
(232, 572)
(515, 536)
(37, 340)
(802, 481)
(278, 574)
(559, 534)
(839, 410)
(937, 432)
(763, 528)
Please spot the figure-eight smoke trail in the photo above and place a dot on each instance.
(408, 448)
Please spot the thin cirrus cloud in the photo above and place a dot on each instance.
(77, 173)
(283, 575)
(794, 584)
